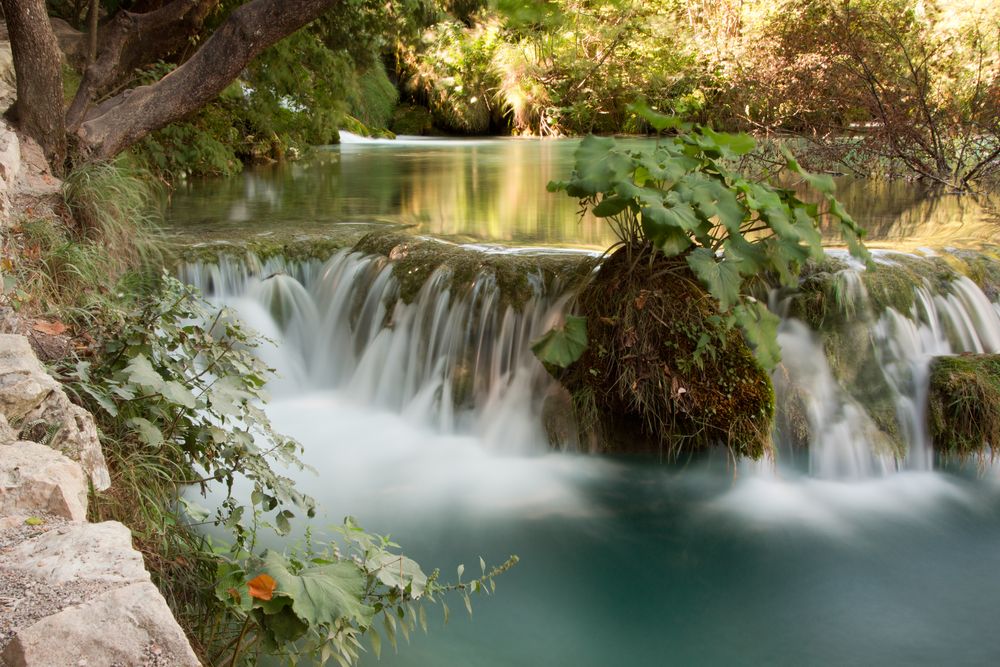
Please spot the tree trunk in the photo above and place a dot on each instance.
(37, 63)
(126, 118)
(132, 40)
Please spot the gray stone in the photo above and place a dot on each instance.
(34, 477)
(7, 434)
(10, 155)
(8, 82)
(24, 384)
(98, 552)
(76, 436)
(30, 396)
(121, 626)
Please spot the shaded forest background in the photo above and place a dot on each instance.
(874, 87)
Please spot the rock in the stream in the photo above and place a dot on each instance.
(98, 552)
(29, 396)
(34, 477)
(123, 626)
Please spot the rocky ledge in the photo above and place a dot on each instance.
(71, 593)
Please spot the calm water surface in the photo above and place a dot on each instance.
(494, 191)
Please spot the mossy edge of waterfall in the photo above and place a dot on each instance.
(825, 300)
(660, 373)
(414, 260)
(294, 248)
(964, 403)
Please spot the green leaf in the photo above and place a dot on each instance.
(821, 182)
(147, 430)
(561, 346)
(598, 166)
(610, 206)
(398, 571)
(177, 393)
(228, 395)
(730, 145)
(760, 326)
(141, 372)
(320, 595)
(283, 527)
(656, 120)
(720, 277)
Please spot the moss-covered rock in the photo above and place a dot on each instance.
(964, 403)
(415, 259)
(661, 374)
(293, 247)
(410, 119)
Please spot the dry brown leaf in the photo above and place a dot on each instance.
(54, 328)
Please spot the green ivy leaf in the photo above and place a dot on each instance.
(561, 346)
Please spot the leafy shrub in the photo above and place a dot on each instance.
(176, 387)
(683, 197)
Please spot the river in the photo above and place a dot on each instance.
(843, 556)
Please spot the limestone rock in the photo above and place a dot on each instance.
(126, 626)
(7, 434)
(34, 477)
(24, 384)
(10, 152)
(8, 82)
(98, 552)
(77, 435)
(29, 395)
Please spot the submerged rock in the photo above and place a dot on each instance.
(964, 403)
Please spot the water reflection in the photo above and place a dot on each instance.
(494, 191)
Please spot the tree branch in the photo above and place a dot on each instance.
(131, 41)
(131, 115)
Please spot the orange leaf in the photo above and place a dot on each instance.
(262, 587)
(50, 328)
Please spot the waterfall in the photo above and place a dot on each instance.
(457, 359)
(845, 442)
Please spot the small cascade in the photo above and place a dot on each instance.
(456, 359)
(868, 416)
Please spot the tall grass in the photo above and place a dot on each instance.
(66, 262)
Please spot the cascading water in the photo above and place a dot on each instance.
(844, 440)
(456, 362)
(425, 417)
(459, 362)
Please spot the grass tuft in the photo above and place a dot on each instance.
(964, 404)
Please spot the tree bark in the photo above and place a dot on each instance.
(126, 118)
(37, 63)
(132, 40)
